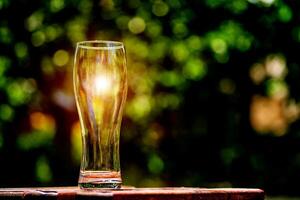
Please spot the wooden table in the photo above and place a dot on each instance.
(178, 193)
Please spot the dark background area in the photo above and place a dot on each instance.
(213, 96)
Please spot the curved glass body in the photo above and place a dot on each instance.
(100, 85)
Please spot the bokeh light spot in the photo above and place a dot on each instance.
(60, 57)
(194, 42)
(47, 66)
(43, 171)
(277, 89)
(267, 115)
(21, 50)
(269, 2)
(38, 38)
(139, 107)
(5, 63)
(179, 29)
(160, 8)
(180, 51)
(20, 91)
(276, 66)
(238, 6)
(5, 35)
(42, 122)
(158, 50)
(137, 47)
(52, 32)
(264, 2)
(136, 25)
(243, 43)
(155, 164)
(6, 112)
(194, 69)
(218, 45)
(34, 139)
(170, 78)
(170, 101)
(35, 20)
(76, 29)
(285, 13)
(56, 5)
(64, 99)
(257, 73)
(153, 29)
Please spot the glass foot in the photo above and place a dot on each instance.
(102, 185)
(99, 180)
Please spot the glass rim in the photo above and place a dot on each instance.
(107, 44)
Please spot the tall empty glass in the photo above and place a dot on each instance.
(100, 85)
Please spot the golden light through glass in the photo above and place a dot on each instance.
(100, 85)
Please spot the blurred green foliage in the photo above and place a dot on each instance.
(213, 96)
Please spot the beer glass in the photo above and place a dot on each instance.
(100, 85)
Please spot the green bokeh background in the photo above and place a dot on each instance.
(213, 99)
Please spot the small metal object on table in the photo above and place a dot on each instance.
(171, 193)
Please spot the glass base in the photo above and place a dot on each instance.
(99, 180)
(99, 185)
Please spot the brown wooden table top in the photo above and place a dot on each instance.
(174, 193)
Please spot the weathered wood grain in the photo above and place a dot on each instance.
(177, 193)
